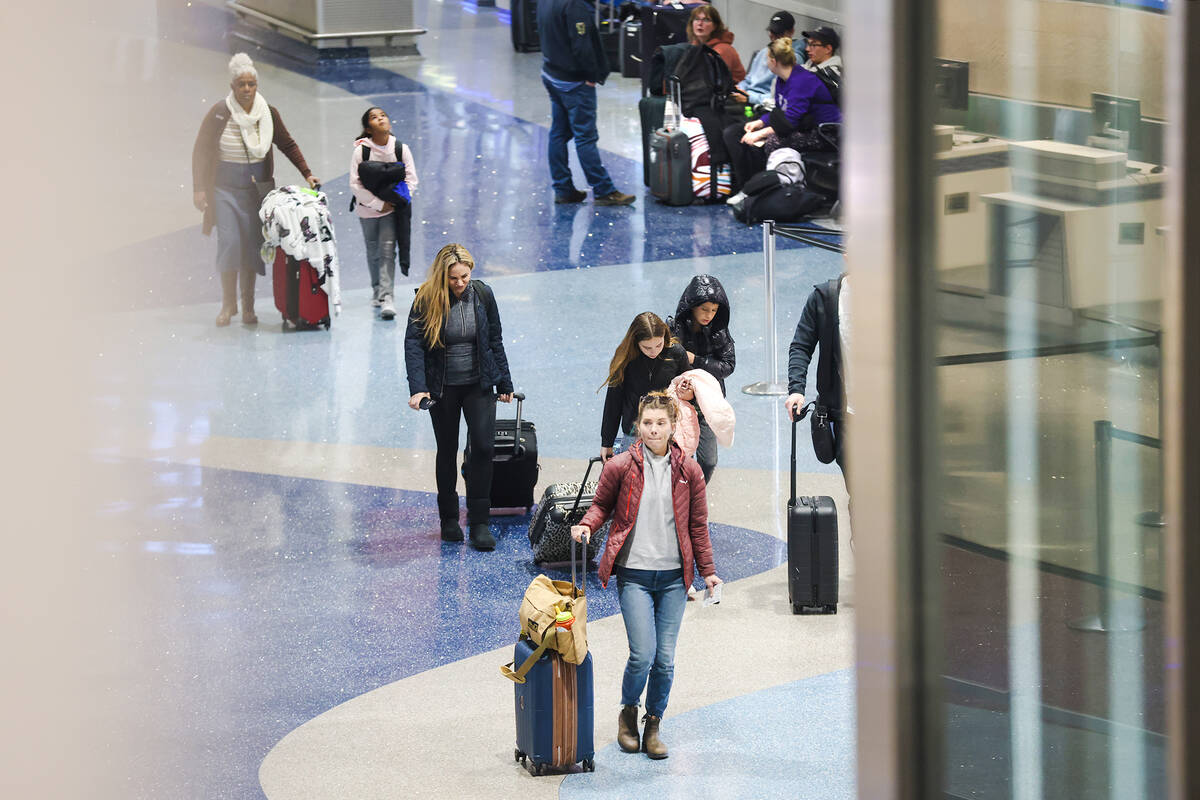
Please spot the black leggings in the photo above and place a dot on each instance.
(479, 408)
(746, 160)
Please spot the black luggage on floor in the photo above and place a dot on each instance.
(812, 544)
(523, 21)
(651, 110)
(563, 505)
(782, 203)
(514, 461)
(661, 25)
(671, 162)
(631, 48)
(610, 34)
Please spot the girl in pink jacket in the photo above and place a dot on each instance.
(656, 499)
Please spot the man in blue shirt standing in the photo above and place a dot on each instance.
(573, 62)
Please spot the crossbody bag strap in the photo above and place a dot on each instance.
(518, 675)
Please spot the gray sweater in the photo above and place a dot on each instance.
(653, 544)
(462, 367)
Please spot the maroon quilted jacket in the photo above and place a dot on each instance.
(620, 493)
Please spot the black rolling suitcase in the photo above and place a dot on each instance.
(651, 110)
(563, 505)
(610, 35)
(661, 25)
(671, 160)
(631, 48)
(514, 461)
(812, 545)
(524, 26)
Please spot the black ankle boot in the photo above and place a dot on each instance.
(451, 531)
(481, 537)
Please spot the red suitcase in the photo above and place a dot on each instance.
(298, 294)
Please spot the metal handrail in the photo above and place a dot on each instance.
(313, 36)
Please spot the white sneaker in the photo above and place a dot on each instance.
(387, 309)
(376, 300)
(735, 199)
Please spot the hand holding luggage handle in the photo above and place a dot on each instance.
(795, 421)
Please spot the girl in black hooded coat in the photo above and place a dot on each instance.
(701, 325)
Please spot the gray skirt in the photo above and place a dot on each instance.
(239, 230)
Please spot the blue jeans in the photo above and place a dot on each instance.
(573, 116)
(652, 603)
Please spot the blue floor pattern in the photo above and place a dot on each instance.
(284, 597)
(721, 751)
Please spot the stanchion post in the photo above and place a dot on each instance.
(772, 385)
(1105, 621)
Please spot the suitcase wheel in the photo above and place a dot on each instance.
(518, 755)
(536, 770)
(588, 765)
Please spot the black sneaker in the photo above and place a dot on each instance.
(615, 198)
(573, 196)
(451, 531)
(481, 537)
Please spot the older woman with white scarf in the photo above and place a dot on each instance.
(232, 170)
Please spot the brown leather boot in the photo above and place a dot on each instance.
(228, 298)
(248, 315)
(651, 744)
(627, 729)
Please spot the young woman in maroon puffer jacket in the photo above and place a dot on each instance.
(656, 498)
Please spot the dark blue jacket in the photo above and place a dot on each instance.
(427, 367)
(571, 46)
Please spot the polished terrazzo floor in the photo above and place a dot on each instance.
(299, 630)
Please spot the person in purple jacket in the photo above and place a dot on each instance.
(801, 103)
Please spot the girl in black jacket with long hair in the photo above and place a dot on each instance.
(645, 361)
(454, 355)
(701, 325)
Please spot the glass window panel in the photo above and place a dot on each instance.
(1048, 250)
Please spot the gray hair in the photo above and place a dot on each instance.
(241, 65)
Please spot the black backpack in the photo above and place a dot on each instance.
(833, 83)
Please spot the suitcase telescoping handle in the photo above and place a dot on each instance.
(518, 448)
(675, 88)
(796, 421)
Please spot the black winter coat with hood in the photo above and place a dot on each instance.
(711, 344)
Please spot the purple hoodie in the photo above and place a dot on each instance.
(800, 93)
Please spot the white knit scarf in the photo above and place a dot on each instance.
(258, 129)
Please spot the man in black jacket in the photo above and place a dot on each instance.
(824, 322)
(573, 62)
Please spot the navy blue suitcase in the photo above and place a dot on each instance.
(812, 547)
(555, 712)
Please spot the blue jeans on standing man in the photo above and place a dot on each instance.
(652, 603)
(573, 116)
